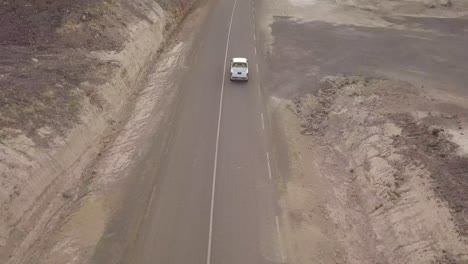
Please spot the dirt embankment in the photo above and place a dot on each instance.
(379, 174)
(378, 166)
(68, 69)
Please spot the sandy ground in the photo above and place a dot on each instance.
(378, 162)
(389, 174)
(70, 74)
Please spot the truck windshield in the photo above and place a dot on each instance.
(239, 65)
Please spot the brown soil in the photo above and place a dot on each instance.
(388, 171)
(45, 48)
(37, 24)
(449, 172)
(39, 40)
(68, 73)
(412, 7)
(377, 167)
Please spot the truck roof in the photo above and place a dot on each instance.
(244, 60)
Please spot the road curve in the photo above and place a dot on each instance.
(215, 200)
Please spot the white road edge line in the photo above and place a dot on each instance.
(269, 167)
(263, 123)
(279, 239)
(215, 166)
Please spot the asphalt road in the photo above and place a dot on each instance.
(215, 201)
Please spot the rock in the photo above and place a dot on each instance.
(435, 131)
(67, 194)
(446, 3)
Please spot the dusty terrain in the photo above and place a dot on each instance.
(319, 38)
(377, 169)
(376, 163)
(69, 74)
(394, 167)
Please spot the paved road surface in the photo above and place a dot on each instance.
(215, 202)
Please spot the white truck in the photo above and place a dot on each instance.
(239, 69)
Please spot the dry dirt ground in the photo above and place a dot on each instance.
(69, 73)
(383, 167)
(377, 162)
